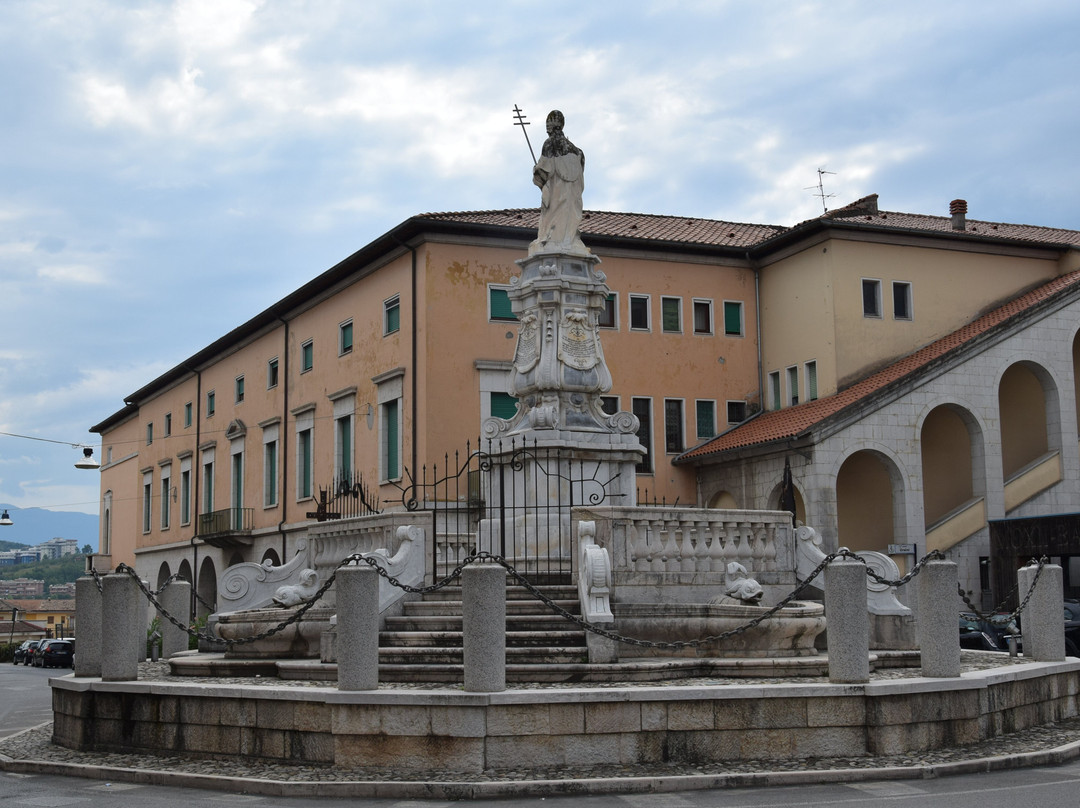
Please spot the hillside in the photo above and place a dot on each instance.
(64, 570)
(32, 526)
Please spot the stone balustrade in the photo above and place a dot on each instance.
(685, 551)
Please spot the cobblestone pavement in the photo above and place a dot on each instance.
(1036, 746)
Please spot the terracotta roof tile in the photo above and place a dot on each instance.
(791, 422)
(974, 227)
(673, 229)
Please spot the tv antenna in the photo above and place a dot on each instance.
(519, 116)
(820, 188)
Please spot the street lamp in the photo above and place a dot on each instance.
(88, 461)
(14, 617)
(5, 519)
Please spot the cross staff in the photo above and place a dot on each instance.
(520, 116)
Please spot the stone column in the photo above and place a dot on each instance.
(176, 600)
(123, 628)
(357, 628)
(87, 627)
(847, 622)
(939, 641)
(1043, 619)
(483, 596)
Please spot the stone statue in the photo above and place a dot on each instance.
(560, 174)
(739, 586)
(295, 594)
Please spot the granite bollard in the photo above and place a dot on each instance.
(1043, 619)
(939, 640)
(358, 628)
(88, 623)
(123, 628)
(483, 602)
(176, 600)
(848, 622)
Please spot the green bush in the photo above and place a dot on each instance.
(155, 626)
(7, 651)
(193, 641)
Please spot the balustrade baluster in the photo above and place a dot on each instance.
(657, 545)
(757, 545)
(770, 548)
(701, 546)
(744, 554)
(716, 547)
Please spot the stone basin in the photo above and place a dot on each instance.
(299, 640)
(789, 633)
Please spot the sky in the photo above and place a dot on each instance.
(170, 169)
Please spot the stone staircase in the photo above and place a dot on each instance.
(425, 643)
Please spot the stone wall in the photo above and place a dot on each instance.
(426, 730)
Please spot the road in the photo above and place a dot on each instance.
(25, 698)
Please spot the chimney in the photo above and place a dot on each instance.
(958, 210)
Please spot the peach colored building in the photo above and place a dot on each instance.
(739, 347)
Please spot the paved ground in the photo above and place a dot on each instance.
(32, 752)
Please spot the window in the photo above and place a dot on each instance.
(607, 317)
(185, 492)
(811, 381)
(733, 318)
(239, 389)
(345, 338)
(307, 356)
(793, 384)
(168, 424)
(609, 404)
(208, 481)
(390, 445)
(149, 433)
(671, 314)
(147, 499)
(503, 405)
(392, 315)
(499, 304)
(774, 389)
(901, 300)
(343, 446)
(673, 425)
(236, 462)
(705, 415)
(639, 313)
(642, 408)
(270, 436)
(187, 414)
(166, 490)
(210, 401)
(736, 412)
(871, 297)
(303, 464)
(703, 317)
(271, 373)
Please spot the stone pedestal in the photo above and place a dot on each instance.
(939, 642)
(123, 628)
(1043, 620)
(88, 624)
(176, 600)
(483, 603)
(848, 622)
(357, 644)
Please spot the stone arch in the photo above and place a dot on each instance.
(723, 500)
(869, 501)
(236, 558)
(184, 571)
(162, 575)
(1028, 415)
(106, 524)
(272, 555)
(800, 503)
(951, 445)
(206, 588)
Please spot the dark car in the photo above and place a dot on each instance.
(32, 651)
(20, 652)
(1072, 628)
(56, 654)
(985, 635)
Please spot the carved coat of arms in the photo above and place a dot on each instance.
(579, 346)
(527, 353)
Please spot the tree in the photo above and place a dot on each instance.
(87, 549)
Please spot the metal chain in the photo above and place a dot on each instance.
(1005, 619)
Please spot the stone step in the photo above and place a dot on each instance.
(555, 592)
(453, 622)
(453, 607)
(449, 639)
(454, 656)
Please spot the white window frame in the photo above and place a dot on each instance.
(776, 395)
(502, 287)
(185, 490)
(708, 305)
(273, 370)
(810, 379)
(344, 349)
(647, 464)
(271, 440)
(307, 348)
(613, 298)
(709, 402)
(877, 315)
(148, 501)
(792, 381)
(304, 423)
(239, 388)
(166, 491)
(727, 409)
(394, 303)
(678, 300)
(648, 312)
(207, 469)
(390, 397)
(905, 286)
(742, 318)
(681, 409)
(344, 413)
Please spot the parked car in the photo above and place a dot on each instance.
(20, 652)
(1072, 628)
(32, 651)
(985, 635)
(56, 654)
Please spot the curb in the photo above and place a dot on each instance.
(459, 790)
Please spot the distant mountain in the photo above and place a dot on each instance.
(31, 526)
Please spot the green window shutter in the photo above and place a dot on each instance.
(500, 305)
(503, 405)
(393, 470)
(706, 419)
(393, 316)
(672, 321)
(733, 319)
(811, 381)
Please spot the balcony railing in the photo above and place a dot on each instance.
(228, 527)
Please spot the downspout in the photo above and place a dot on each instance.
(282, 447)
(757, 324)
(197, 474)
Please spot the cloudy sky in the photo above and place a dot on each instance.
(169, 169)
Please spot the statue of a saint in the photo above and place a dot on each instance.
(560, 174)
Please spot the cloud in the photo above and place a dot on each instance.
(73, 273)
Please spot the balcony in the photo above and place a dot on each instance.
(228, 528)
